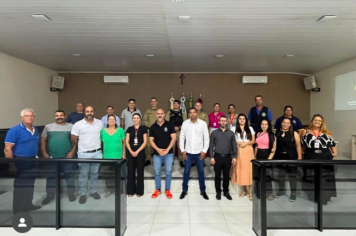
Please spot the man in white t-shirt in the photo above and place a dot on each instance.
(86, 134)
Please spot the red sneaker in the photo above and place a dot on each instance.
(156, 193)
(169, 194)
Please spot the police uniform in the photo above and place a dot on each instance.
(203, 116)
(177, 118)
(149, 118)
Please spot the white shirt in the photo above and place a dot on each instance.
(89, 134)
(238, 136)
(194, 137)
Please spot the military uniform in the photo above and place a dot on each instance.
(203, 116)
(149, 118)
(177, 118)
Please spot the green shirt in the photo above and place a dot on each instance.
(112, 143)
(58, 139)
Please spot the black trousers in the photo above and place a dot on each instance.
(263, 154)
(24, 184)
(67, 169)
(135, 185)
(222, 164)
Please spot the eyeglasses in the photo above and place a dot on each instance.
(29, 116)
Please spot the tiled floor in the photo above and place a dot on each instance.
(191, 216)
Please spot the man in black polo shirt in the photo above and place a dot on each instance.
(162, 139)
(259, 113)
(222, 148)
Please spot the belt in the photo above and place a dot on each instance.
(263, 150)
(91, 151)
(222, 155)
(283, 152)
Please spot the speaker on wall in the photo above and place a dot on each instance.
(310, 83)
(57, 83)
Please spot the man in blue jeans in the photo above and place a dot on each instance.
(162, 139)
(86, 134)
(194, 143)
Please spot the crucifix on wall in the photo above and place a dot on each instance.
(182, 77)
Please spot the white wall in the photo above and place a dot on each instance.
(23, 84)
(341, 123)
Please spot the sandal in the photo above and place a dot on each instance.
(138, 195)
(129, 195)
(242, 194)
(250, 196)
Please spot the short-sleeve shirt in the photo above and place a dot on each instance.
(126, 114)
(26, 143)
(132, 132)
(297, 124)
(112, 143)
(89, 134)
(58, 139)
(324, 141)
(74, 117)
(238, 136)
(162, 135)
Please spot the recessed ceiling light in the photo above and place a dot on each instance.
(219, 56)
(150, 55)
(184, 18)
(289, 55)
(41, 17)
(327, 17)
(177, 0)
(76, 55)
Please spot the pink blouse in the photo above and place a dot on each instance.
(214, 120)
(262, 141)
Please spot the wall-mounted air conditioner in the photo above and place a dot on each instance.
(254, 79)
(116, 79)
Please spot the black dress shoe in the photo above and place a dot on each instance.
(72, 197)
(183, 194)
(218, 196)
(147, 162)
(47, 200)
(95, 195)
(181, 164)
(83, 199)
(32, 208)
(205, 196)
(227, 195)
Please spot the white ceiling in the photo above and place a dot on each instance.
(116, 35)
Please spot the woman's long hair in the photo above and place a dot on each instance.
(107, 125)
(323, 127)
(246, 128)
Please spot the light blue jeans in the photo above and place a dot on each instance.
(85, 169)
(157, 163)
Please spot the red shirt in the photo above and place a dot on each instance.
(214, 120)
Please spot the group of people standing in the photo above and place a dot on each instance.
(233, 143)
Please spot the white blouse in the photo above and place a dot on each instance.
(238, 136)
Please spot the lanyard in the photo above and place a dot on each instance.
(261, 134)
(232, 118)
(316, 136)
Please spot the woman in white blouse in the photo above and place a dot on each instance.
(242, 170)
